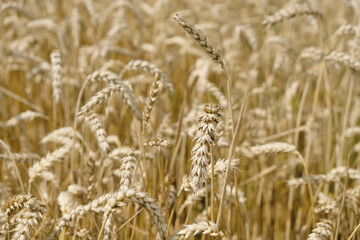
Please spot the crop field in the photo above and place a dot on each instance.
(179, 119)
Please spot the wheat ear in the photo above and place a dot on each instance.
(57, 75)
(204, 228)
(95, 205)
(103, 76)
(200, 153)
(153, 95)
(200, 38)
(148, 67)
(323, 230)
(275, 147)
(46, 162)
(123, 196)
(156, 142)
(24, 116)
(126, 170)
(98, 129)
(290, 12)
(345, 59)
(127, 94)
(64, 133)
(30, 214)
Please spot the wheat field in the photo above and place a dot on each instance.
(185, 119)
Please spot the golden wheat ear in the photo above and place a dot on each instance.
(200, 38)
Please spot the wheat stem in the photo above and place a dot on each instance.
(230, 155)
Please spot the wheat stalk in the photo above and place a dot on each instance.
(75, 27)
(20, 157)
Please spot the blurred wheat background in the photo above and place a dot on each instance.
(187, 119)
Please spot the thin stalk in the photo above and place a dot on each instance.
(212, 185)
(342, 199)
(15, 166)
(353, 233)
(228, 85)
(107, 215)
(129, 220)
(20, 99)
(230, 155)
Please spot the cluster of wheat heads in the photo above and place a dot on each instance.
(162, 119)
